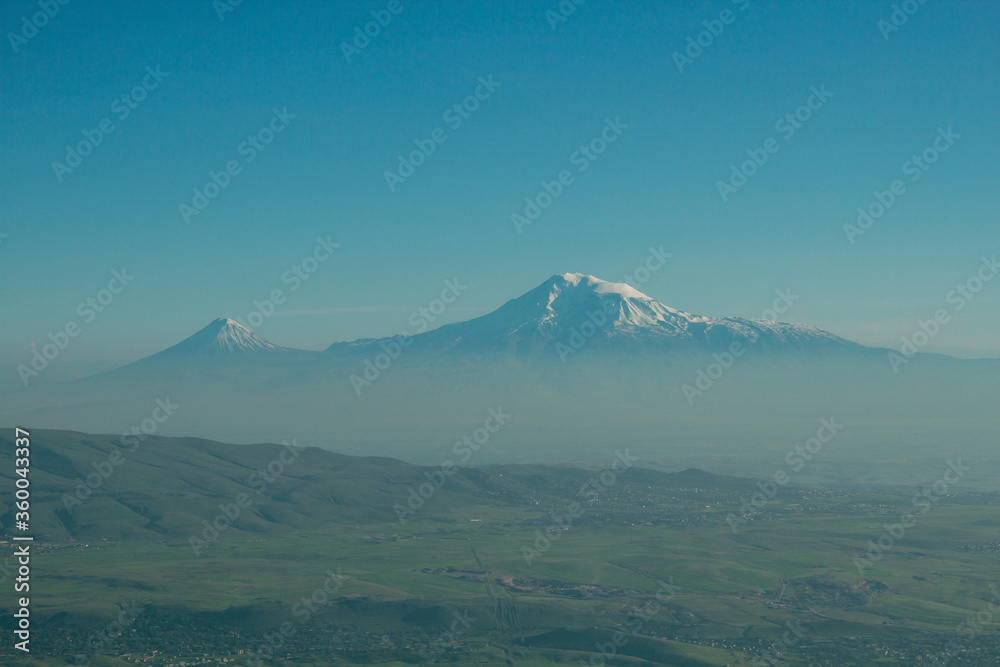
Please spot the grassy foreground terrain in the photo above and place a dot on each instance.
(319, 570)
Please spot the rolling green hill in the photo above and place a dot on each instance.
(554, 565)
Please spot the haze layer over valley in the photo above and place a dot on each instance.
(577, 365)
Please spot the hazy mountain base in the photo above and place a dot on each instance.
(638, 536)
(416, 409)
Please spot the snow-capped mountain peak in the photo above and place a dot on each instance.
(551, 312)
(570, 305)
(223, 336)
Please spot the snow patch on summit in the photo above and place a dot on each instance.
(602, 286)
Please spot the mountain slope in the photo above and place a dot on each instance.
(221, 337)
(223, 344)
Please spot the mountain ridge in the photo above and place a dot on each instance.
(562, 309)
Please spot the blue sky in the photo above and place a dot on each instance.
(323, 175)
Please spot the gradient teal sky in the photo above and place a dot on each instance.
(655, 185)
